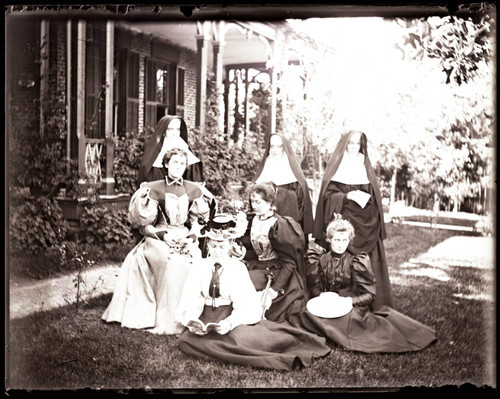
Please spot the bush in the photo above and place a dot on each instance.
(129, 150)
(36, 225)
(106, 228)
(223, 164)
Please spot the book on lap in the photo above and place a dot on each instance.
(199, 325)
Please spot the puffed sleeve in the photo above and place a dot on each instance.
(313, 255)
(363, 280)
(202, 206)
(287, 239)
(245, 301)
(142, 210)
(191, 302)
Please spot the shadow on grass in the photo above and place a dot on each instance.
(68, 349)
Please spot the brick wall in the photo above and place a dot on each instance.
(23, 49)
(141, 44)
(188, 61)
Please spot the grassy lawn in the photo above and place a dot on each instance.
(67, 348)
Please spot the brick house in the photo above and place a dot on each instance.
(116, 76)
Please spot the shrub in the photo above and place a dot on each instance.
(129, 150)
(221, 163)
(106, 228)
(36, 225)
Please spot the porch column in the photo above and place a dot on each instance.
(272, 104)
(109, 180)
(80, 104)
(44, 71)
(218, 50)
(201, 81)
(227, 86)
(68, 95)
(274, 81)
(246, 103)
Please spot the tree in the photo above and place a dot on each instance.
(459, 44)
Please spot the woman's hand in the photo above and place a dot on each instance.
(272, 294)
(170, 242)
(150, 231)
(225, 327)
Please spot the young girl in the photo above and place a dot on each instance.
(218, 290)
(352, 279)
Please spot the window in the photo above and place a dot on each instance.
(160, 91)
(126, 93)
(180, 86)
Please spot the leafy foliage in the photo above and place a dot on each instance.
(105, 227)
(223, 160)
(129, 150)
(35, 226)
(459, 44)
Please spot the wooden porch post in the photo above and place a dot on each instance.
(109, 180)
(274, 86)
(80, 105)
(44, 70)
(218, 49)
(68, 95)
(218, 68)
(201, 81)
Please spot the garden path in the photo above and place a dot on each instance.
(26, 297)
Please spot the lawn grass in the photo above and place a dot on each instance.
(68, 349)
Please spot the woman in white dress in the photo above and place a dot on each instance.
(219, 290)
(169, 214)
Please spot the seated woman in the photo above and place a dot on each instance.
(168, 213)
(170, 132)
(219, 294)
(280, 166)
(349, 279)
(275, 248)
(350, 188)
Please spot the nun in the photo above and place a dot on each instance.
(349, 187)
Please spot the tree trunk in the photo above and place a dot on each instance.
(393, 186)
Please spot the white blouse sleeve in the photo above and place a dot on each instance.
(191, 302)
(246, 305)
(143, 209)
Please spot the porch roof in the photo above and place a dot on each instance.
(244, 42)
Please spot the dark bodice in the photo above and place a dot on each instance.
(348, 275)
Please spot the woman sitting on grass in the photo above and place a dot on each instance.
(276, 255)
(343, 283)
(224, 314)
(168, 213)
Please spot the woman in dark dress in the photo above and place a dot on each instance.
(218, 290)
(275, 245)
(347, 180)
(280, 166)
(338, 278)
(170, 132)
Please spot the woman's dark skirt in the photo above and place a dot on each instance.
(265, 344)
(384, 330)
